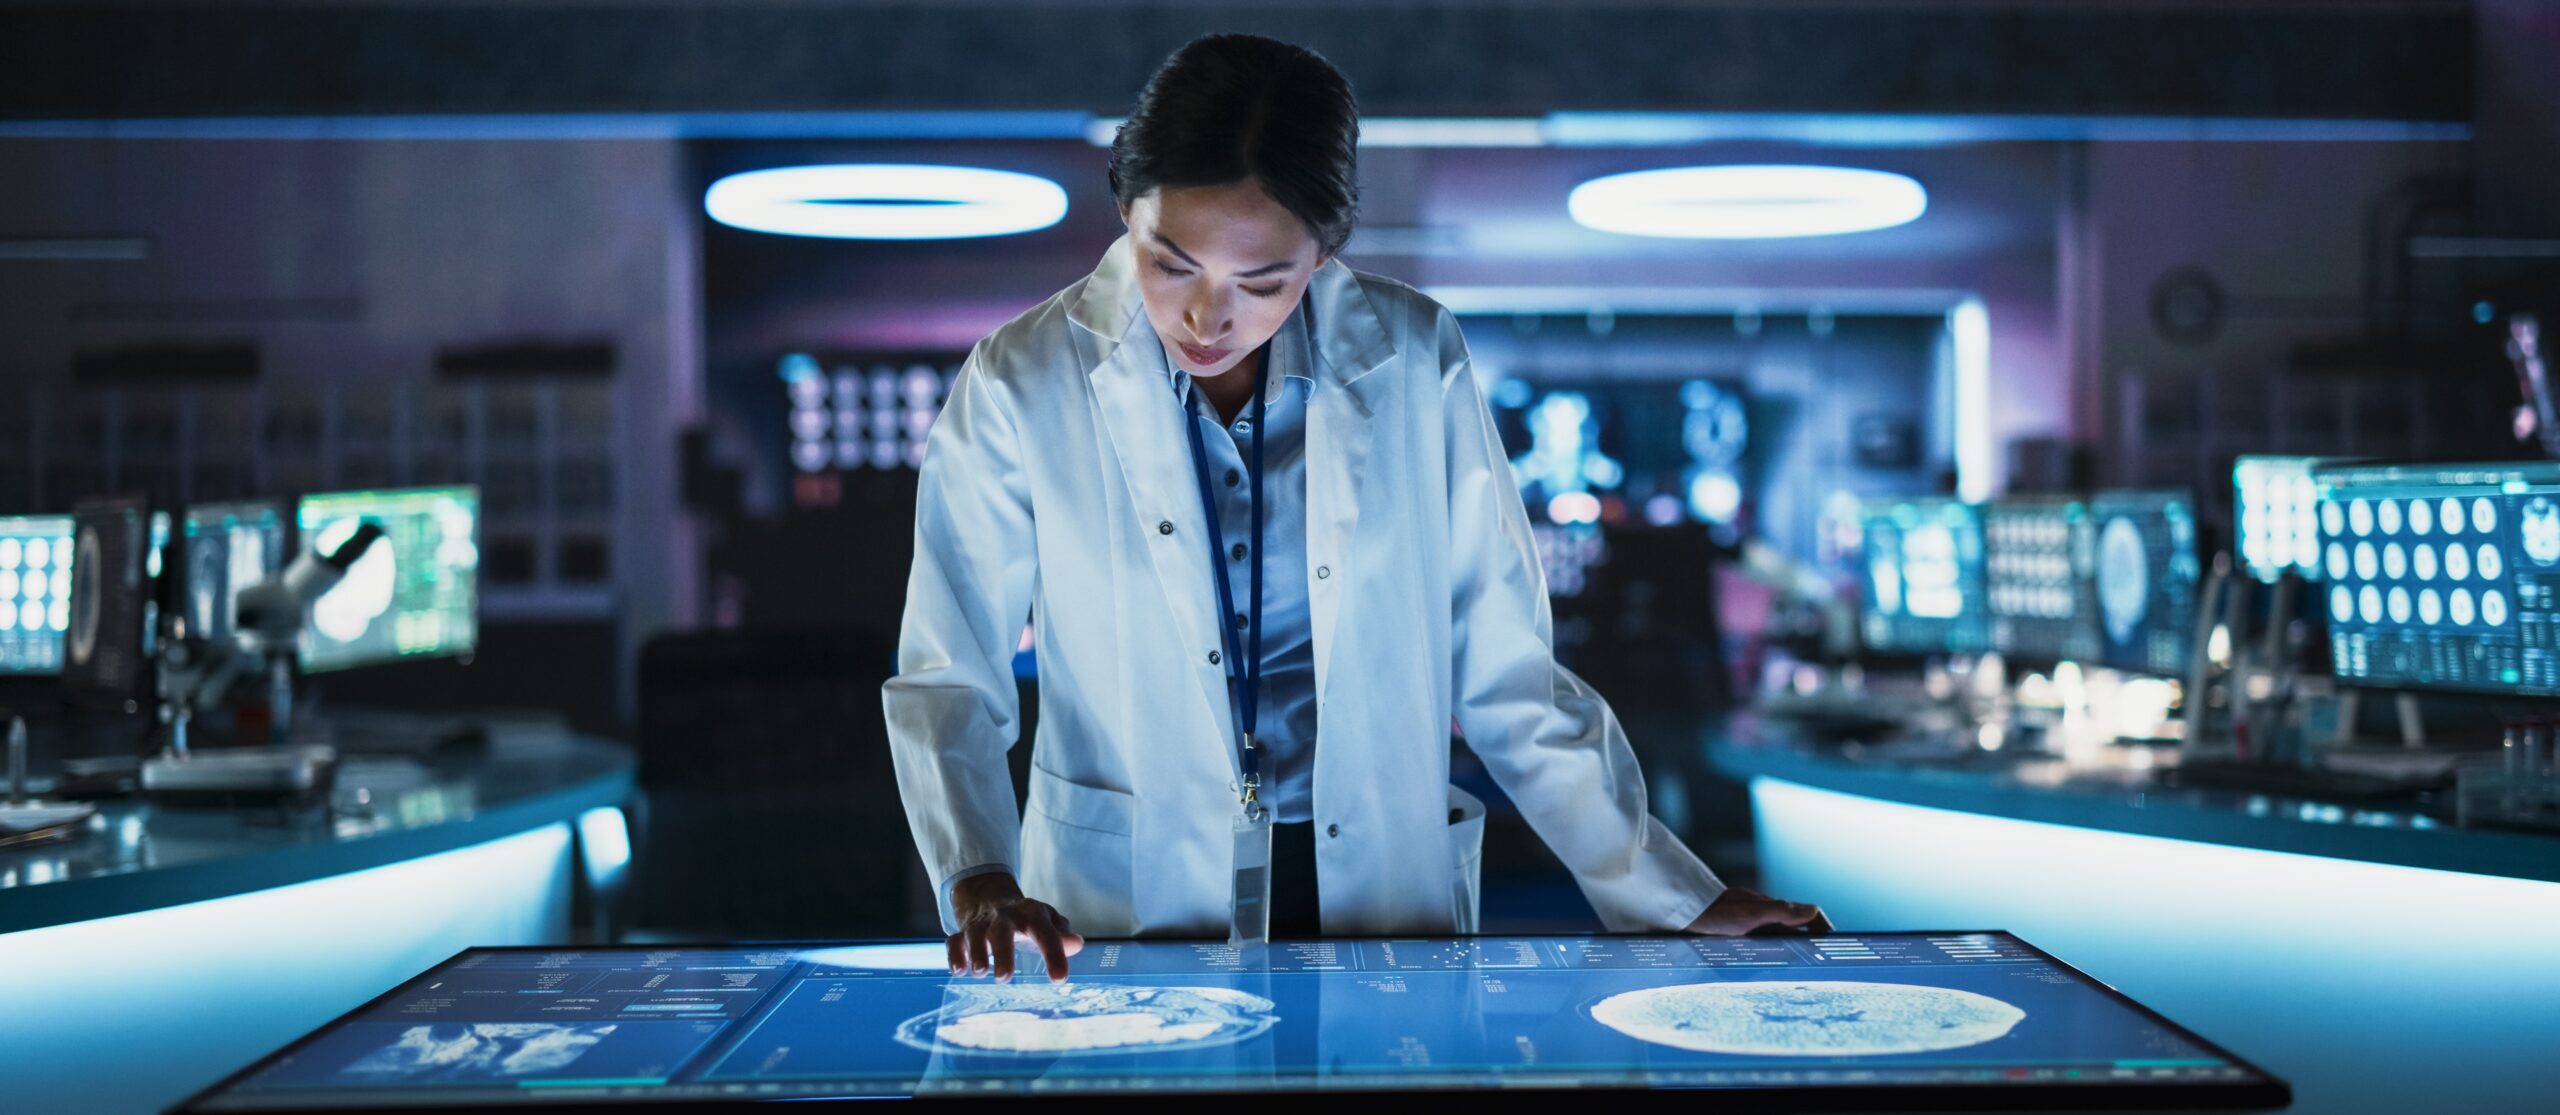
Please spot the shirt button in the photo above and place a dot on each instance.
(1232, 477)
(1323, 571)
(1244, 425)
(1237, 551)
(1165, 527)
(1213, 658)
(1333, 830)
(1240, 621)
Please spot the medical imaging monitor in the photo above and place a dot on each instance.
(2147, 573)
(414, 594)
(2038, 557)
(2443, 576)
(1920, 584)
(226, 548)
(2275, 515)
(35, 592)
(1972, 1019)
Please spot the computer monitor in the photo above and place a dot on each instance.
(105, 648)
(35, 592)
(225, 548)
(414, 594)
(2146, 575)
(1863, 1021)
(2038, 563)
(2443, 576)
(1920, 590)
(2275, 515)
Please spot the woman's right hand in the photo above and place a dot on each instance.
(993, 915)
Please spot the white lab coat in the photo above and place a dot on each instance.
(1057, 487)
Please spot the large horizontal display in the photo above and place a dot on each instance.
(2444, 576)
(1899, 1018)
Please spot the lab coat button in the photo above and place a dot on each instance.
(1213, 658)
(1236, 551)
(1333, 830)
(1165, 527)
(1323, 571)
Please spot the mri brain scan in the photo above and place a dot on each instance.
(1823, 1018)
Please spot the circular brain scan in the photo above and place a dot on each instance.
(2449, 515)
(2124, 579)
(2422, 517)
(2386, 515)
(2430, 607)
(2540, 527)
(2360, 517)
(1050, 1020)
(2342, 603)
(1824, 1018)
(2333, 520)
(2484, 515)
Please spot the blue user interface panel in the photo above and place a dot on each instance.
(35, 592)
(619, 1025)
(2444, 576)
(1921, 587)
(2038, 557)
(2147, 573)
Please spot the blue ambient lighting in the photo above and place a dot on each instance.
(2374, 987)
(604, 839)
(885, 201)
(1747, 202)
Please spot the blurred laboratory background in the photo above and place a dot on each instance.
(2085, 469)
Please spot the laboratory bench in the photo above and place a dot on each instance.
(2363, 946)
(209, 936)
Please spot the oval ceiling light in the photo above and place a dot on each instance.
(885, 201)
(1747, 202)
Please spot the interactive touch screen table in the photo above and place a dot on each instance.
(1885, 1020)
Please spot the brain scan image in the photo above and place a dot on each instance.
(1067, 1019)
(2540, 527)
(1824, 1018)
(2124, 579)
(479, 1051)
(346, 611)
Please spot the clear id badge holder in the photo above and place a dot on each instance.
(1249, 911)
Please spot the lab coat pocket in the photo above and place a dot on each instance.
(1466, 853)
(1076, 853)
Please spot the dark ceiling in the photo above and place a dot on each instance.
(2264, 59)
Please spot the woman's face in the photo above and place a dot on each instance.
(1219, 268)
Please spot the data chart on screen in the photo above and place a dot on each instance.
(2444, 576)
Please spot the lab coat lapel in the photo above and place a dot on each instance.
(1134, 405)
(1349, 344)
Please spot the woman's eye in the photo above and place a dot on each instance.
(1160, 266)
(1262, 293)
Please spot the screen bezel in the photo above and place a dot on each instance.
(301, 544)
(2269, 1091)
(80, 687)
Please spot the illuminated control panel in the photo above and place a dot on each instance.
(1921, 586)
(35, 592)
(2443, 576)
(2146, 574)
(2038, 557)
(2276, 515)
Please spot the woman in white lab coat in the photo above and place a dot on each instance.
(1092, 452)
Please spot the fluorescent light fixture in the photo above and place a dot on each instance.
(1747, 202)
(886, 201)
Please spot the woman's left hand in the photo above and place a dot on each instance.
(1738, 911)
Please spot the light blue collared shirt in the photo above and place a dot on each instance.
(1285, 717)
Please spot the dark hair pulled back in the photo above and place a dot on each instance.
(1230, 108)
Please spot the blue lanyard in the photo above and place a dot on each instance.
(1244, 663)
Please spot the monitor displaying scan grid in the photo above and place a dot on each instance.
(1920, 584)
(2444, 576)
(2147, 574)
(2038, 557)
(1874, 1020)
(35, 592)
(226, 548)
(2275, 515)
(414, 594)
